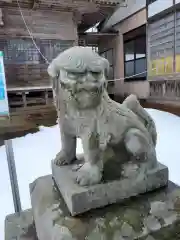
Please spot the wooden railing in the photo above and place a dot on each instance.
(165, 90)
(29, 97)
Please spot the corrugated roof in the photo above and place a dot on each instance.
(93, 38)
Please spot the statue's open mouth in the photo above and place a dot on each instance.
(84, 98)
(89, 89)
(87, 94)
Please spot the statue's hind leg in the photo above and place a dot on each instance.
(140, 147)
(134, 105)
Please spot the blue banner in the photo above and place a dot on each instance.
(2, 94)
(1, 80)
(4, 106)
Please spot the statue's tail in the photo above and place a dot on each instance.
(133, 104)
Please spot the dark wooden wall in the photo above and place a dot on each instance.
(52, 31)
(44, 24)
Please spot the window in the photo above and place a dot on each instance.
(150, 1)
(23, 51)
(135, 58)
(19, 51)
(108, 54)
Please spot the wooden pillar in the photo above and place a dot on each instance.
(77, 19)
(46, 97)
(1, 18)
(24, 99)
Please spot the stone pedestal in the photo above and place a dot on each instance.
(20, 227)
(152, 216)
(81, 199)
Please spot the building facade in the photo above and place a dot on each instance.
(129, 48)
(140, 38)
(164, 50)
(146, 58)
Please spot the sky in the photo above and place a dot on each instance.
(34, 152)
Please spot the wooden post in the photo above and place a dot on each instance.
(13, 175)
(46, 97)
(24, 99)
(163, 89)
(1, 18)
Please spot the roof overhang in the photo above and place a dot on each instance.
(89, 12)
(93, 38)
(90, 19)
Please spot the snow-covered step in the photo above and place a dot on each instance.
(20, 227)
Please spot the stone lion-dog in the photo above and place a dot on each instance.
(86, 111)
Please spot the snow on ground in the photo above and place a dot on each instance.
(33, 154)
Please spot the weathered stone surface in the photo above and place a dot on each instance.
(86, 111)
(20, 227)
(81, 199)
(115, 222)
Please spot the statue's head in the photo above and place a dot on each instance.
(80, 72)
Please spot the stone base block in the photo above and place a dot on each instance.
(20, 227)
(152, 216)
(81, 199)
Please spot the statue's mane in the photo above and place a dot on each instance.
(78, 59)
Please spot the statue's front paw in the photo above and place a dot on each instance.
(62, 159)
(88, 175)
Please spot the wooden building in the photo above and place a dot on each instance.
(32, 31)
(146, 52)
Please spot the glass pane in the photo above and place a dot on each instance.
(141, 47)
(140, 66)
(129, 69)
(150, 1)
(129, 50)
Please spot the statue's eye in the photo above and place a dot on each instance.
(72, 75)
(96, 74)
(76, 75)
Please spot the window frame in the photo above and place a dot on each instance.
(134, 39)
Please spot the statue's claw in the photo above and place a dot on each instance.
(62, 159)
(88, 175)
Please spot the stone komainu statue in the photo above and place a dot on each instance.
(85, 111)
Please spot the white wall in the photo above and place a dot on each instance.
(177, 1)
(159, 6)
(121, 13)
